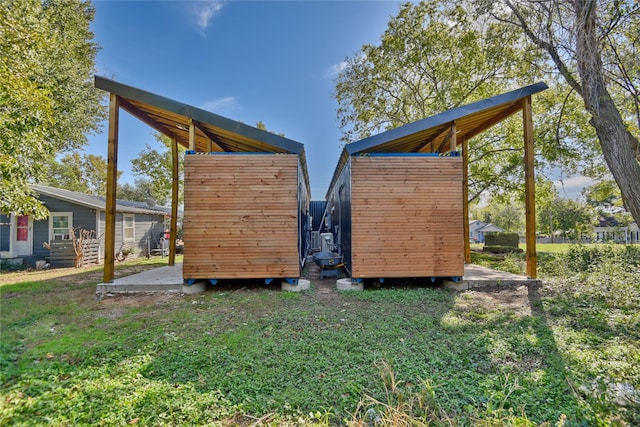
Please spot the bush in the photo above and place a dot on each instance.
(501, 249)
(7, 266)
(584, 258)
(502, 239)
(580, 258)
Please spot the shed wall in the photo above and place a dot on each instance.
(407, 218)
(339, 217)
(241, 216)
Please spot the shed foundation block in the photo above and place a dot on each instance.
(347, 285)
(197, 288)
(302, 285)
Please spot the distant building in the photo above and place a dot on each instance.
(610, 230)
(477, 230)
(138, 225)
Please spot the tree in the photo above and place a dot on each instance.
(503, 213)
(435, 56)
(603, 193)
(47, 99)
(574, 220)
(86, 173)
(594, 46)
(140, 191)
(154, 169)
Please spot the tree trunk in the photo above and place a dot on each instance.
(615, 141)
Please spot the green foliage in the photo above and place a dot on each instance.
(497, 249)
(86, 173)
(493, 238)
(47, 99)
(583, 258)
(573, 219)
(154, 167)
(509, 260)
(438, 55)
(602, 193)
(7, 266)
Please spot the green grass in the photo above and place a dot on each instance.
(257, 356)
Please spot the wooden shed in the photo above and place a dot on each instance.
(245, 216)
(397, 203)
(246, 190)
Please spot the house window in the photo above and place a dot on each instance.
(22, 228)
(128, 227)
(60, 225)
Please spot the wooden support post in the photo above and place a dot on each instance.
(529, 188)
(173, 229)
(192, 135)
(453, 139)
(112, 181)
(210, 146)
(465, 199)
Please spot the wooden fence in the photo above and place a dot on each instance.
(63, 253)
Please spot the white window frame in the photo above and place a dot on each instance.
(67, 214)
(125, 228)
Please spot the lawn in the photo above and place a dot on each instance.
(565, 353)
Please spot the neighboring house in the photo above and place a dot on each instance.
(477, 230)
(138, 225)
(610, 230)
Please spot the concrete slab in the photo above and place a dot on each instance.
(169, 279)
(162, 279)
(479, 276)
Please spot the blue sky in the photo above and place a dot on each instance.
(269, 61)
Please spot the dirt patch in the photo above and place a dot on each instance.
(137, 300)
(513, 299)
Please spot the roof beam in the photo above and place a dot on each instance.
(430, 141)
(213, 138)
(447, 138)
(144, 117)
(494, 120)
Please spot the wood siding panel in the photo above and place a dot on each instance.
(241, 216)
(407, 217)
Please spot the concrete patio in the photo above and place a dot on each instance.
(169, 279)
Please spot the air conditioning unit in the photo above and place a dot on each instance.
(326, 242)
(315, 241)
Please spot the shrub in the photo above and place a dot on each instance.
(582, 258)
(501, 249)
(502, 239)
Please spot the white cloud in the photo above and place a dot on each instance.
(572, 186)
(204, 11)
(220, 105)
(333, 71)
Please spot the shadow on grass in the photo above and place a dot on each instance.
(252, 349)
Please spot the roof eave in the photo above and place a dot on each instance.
(444, 117)
(176, 107)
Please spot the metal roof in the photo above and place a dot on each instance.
(429, 135)
(213, 133)
(99, 202)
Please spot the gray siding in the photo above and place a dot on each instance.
(5, 232)
(146, 226)
(83, 217)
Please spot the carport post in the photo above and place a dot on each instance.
(174, 201)
(529, 187)
(112, 179)
(465, 198)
